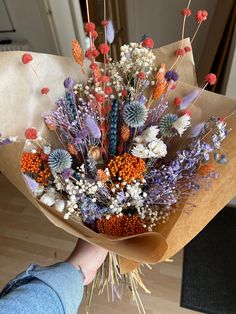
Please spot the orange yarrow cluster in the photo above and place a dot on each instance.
(33, 164)
(119, 226)
(127, 167)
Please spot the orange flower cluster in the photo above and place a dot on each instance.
(30, 162)
(77, 52)
(33, 164)
(125, 133)
(43, 176)
(120, 226)
(159, 90)
(71, 149)
(127, 167)
(101, 175)
(205, 170)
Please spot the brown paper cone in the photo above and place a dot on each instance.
(21, 105)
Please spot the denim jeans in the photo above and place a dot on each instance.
(56, 289)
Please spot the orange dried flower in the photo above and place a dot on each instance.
(43, 176)
(127, 167)
(30, 162)
(159, 90)
(160, 75)
(205, 170)
(77, 52)
(119, 226)
(71, 149)
(125, 132)
(101, 175)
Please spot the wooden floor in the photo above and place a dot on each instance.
(26, 236)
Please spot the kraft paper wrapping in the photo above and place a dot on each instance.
(21, 106)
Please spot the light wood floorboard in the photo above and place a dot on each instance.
(26, 236)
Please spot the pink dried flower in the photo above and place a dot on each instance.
(201, 16)
(211, 78)
(148, 43)
(104, 48)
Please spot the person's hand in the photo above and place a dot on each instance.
(89, 257)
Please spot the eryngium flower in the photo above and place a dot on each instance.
(166, 124)
(135, 114)
(59, 160)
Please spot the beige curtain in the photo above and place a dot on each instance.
(216, 52)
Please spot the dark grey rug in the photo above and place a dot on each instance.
(209, 271)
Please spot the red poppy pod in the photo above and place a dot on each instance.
(177, 101)
(95, 52)
(187, 49)
(105, 79)
(141, 76)
(211, 78)
(108, 90)
(31, 134)
(124, 92)
(26, 58)
(186, 12)
(201, 16)
(100, 98)
(180, 52)
(93, 66)
(44, 90)
(104, 48)
(104, 23)
(89, 27)
(94, 34)
(148, 43)
(44, 156)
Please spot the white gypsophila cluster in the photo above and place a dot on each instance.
(153, 216)
(135, 59)
(182, 124)
(116, 78)
(85, 186)
(148, 145)
(71, 189)
(71, 204)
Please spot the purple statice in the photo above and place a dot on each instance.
(81, 136)
(168, 183)
(90, 211)
(67, 173)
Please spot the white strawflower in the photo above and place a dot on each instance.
(149, 135)
(140, 151)
(182, 124)
(157, 149)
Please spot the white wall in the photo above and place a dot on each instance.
(47, 25)
(161, 20)
(31, 24)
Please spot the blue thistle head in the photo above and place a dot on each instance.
(135, 114)
(59, 160)
(166, 123)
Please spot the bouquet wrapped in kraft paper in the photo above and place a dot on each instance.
(129, 155)
(23, 108)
